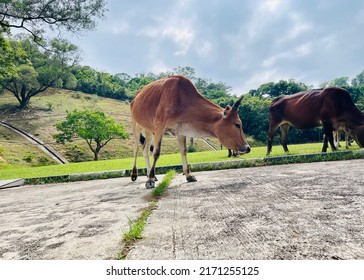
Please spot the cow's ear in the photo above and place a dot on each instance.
(227, 110)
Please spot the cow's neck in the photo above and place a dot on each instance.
(200, 121)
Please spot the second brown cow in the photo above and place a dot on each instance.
(332, 108)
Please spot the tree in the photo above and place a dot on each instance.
(91, 81)
(94, 127)
(254, 115)
(358, 80)
(338, 82)
(7, 67)
(37, 69)
(272, 90)
(59, 15)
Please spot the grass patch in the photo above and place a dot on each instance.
(200, 161)
(137, 225)
(160, 189)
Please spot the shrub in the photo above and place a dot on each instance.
(192, 149)
(29, 157)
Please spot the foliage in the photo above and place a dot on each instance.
(91, 81)
(7, 63)
(254, 115)
(2, 150)
(58, 15)
(36, 69)
(338, 82)
(192, 149)
(272, 90)
(93, 126)
(358, 80)
(76, 154)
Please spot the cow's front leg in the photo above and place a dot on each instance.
(186, 170)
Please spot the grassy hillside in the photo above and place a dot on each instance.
(51, 107)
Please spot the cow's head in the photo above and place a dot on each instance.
(229, 130)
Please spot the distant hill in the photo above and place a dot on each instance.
(51, 107)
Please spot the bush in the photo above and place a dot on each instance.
(42, 160)
(29, 157)
(192, 149)
(77, 154)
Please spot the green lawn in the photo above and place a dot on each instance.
(9, 172)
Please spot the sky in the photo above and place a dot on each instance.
(243, 43)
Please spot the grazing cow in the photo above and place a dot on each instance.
(174, 104)
(331, 108)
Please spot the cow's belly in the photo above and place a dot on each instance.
(302, 123)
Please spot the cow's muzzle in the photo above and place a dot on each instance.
(243, 150)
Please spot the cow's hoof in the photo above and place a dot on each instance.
(150, 184)
(133, 178)
(191, 178)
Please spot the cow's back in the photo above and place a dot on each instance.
(300, 109)
(162, 101)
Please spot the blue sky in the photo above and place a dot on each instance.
(243, 43)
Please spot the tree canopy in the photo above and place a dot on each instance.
(33, 16)
(33, 69)
(94, 127)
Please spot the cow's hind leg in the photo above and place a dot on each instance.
(186, 170)
(272, 130)
(136, 132)
(156, 153)
(329, 138)
(146, 148)
(284, 132)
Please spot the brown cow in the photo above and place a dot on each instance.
(174, 104)
(331, 108)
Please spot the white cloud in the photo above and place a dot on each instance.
(261, 77)
(159, 67)
(302, 50)
(299, 27)
(204, 49)
(272, 5)
(174, 27)
(120, 28)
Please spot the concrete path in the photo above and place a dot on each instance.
(299, 211)
(80, 220)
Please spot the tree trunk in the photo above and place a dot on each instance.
(96, 156)
(23, 103)
(97, 150)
